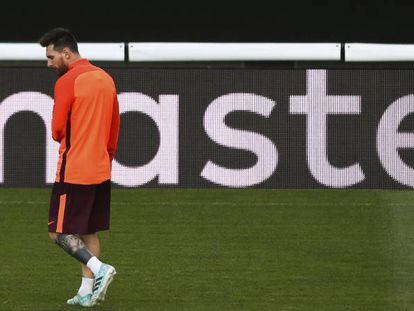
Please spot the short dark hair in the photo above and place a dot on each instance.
(60, 38)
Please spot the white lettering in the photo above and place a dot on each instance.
(317, 105)
(165, 163)
(40, 104)
(389, 140)
(261, 146)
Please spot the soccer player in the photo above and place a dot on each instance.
(86, 124)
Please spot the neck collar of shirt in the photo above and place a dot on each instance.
(81, 61)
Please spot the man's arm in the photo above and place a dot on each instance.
(113, 135)
(61, 109)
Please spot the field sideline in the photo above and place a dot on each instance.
(222, 249)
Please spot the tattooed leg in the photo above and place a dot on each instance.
(74, 246)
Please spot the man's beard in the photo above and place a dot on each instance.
(62, 70)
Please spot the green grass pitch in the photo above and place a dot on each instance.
(222, 249)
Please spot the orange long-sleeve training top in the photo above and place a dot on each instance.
(86, 124)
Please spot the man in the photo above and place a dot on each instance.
(86, 124)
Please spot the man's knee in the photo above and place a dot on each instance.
(53, 236)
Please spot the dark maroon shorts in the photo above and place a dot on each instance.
(79, 209)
